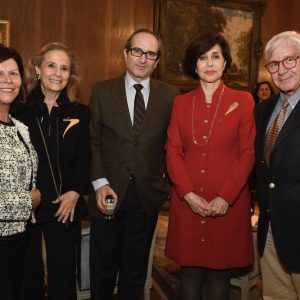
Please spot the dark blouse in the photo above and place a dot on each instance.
(66, 133)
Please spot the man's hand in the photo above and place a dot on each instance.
(101, 194)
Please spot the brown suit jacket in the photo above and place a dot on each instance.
(118, 153)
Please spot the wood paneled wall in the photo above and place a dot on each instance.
(97, 29)
(280, 15)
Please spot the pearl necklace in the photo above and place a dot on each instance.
(212, 123)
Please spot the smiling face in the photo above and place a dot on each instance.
(54, 71)
(140, 68)
(210, 65)
(10, 82)
(264, 92)
(287, 80)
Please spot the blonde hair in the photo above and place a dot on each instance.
(289, 38)
(38, 58)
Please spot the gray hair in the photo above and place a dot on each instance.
(290, 38)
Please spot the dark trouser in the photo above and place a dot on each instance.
(121, 244)
(61, 263)
(12, 253)
(192, 279)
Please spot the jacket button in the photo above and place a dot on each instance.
(272, 185)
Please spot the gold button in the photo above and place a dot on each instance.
(201, 189)
(204, 137)
(208, 105)
(205, 121)
(204, 154)
(203, 239)
(202, 171)
(202, 222)
(272, 185)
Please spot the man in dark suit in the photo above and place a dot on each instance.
(278, 171)
(130, 116)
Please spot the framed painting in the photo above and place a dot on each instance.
(179, 21)
(4, 32)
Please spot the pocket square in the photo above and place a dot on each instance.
(232, 107)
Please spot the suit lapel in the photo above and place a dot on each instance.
(119, 99)
(292, 122)
(264, 119)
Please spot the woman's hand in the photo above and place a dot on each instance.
(36, 198)
(198, 204)
(67, 203)
(218, 207)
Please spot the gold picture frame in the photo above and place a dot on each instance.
(178, 21)
(5, 32)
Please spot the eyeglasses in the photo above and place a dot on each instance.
(139, 52)
(288, 63)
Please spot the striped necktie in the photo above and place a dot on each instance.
(139, 108)
(274, 130)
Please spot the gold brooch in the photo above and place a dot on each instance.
(72, 123)
(232, 107)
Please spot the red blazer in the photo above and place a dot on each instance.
(220, 167)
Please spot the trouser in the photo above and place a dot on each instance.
(278, 282)
(12, 254)
(60, 262)
(121, 246)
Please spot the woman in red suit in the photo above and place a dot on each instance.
(209, 158)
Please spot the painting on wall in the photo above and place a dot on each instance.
(4, 32)
(179, 21)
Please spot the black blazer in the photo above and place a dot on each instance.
(117, 152)
(278, 186)
(71, 122)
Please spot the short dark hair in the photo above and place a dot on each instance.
(128, 43)
(200, 45)
(255, 90)
(10, 53)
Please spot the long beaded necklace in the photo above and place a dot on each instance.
(212, 123)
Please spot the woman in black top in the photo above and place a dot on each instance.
(59, 129)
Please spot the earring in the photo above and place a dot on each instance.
(196, 71)
(37, 76)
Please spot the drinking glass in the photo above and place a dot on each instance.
(110, 208)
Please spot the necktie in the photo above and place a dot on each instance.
(139, 108)
(273, 131)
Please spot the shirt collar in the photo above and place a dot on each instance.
(293, 100)
(130, 82)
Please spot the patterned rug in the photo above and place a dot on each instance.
(166, 272)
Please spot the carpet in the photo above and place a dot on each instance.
(166, 272)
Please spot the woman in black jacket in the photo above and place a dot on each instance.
(59, 129)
